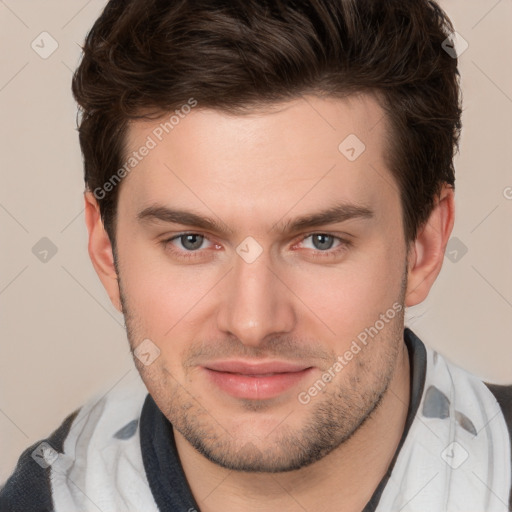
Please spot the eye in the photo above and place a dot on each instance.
(324, 245)
(187, 241)
(321, 241)
(190, 247)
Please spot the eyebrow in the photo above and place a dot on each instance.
(332, 215)
(157, 213)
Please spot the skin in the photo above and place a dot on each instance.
(298, 301)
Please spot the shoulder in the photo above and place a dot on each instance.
(94, 445)
(28, 489)
(503, 395)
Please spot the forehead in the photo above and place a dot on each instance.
(294, 155)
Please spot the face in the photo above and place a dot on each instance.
(256, 254)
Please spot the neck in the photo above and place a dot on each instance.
(343, 480)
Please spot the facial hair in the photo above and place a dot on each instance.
(332, 418)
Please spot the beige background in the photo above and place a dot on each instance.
(62, 341)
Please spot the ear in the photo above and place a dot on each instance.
(426, 253)
(100, 249)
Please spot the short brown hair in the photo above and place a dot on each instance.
(235, 55)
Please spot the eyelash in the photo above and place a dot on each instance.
(344, 245)
(329, 253)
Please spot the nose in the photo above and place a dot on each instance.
(255, 304)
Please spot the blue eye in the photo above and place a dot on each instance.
(323, 245)
(190, 247)
(322, 241)
(186, 245)
(190, 241)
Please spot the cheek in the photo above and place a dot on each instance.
(153, 284)
(164, 302)
(345, 300)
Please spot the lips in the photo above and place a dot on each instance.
(256, 381)
(245, 368)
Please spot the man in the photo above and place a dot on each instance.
(268, 186)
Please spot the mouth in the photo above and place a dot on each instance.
(259, 381)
